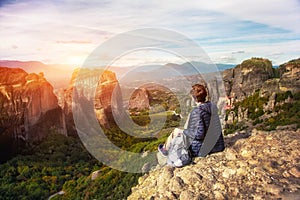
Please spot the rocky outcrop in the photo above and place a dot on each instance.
(139, 100)
(108, 98)
(271, 103)
(290, 76)
(258, 165)
(107, 88)
(247, 77)
(28, 106)
(287, 80)
(153, 96)
(269, 87)
(64, 96)
(257, 74)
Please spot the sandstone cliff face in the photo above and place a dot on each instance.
(260, 76)
(290, 76)
(28, 106)
(139, 100)
(154, 97)
(108, 97)
(264, 165)
(247, 77)
(64, 96)
(257, 73)
(108, 86)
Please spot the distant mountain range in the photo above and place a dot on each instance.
(167, 71)
(59, 75)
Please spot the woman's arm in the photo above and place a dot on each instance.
(193, 123)
(203, 125)
(198, 124)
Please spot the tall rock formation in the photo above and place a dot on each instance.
(28, 107)
(108, 98)
(290, 76)
(153, 96)
(247, 77)
(139, 100)
(107, 87)
(64, 96)
(257, 74)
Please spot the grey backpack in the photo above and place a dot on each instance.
(178, 153)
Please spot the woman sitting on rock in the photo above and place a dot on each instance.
(202, 129)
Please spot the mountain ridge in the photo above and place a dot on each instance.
(57, 74)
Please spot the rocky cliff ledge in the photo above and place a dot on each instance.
(257, 165)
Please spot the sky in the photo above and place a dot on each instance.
(67, 31)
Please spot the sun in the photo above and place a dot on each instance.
(75, 60)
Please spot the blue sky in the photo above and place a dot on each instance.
(228, 31)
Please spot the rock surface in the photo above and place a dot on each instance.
(258, 165)
(257, 73)
(107, 95)
(108, 99)
(29, 92)
(139, 100)
(28, 109)
(246, 77)
(25, 100)
(290, 76)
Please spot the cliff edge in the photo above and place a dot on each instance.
(254, 165)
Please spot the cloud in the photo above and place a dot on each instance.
(226, 59)
(220, 27)
(238, 52)
(73, 41)
(274, 13)
(276, 53)
(14, 46)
